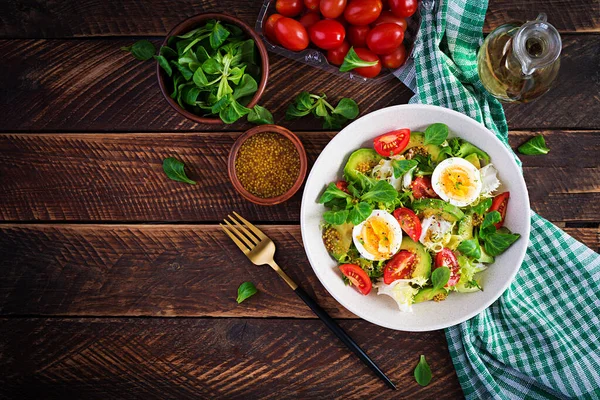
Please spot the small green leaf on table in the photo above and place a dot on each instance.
(246, 290)
(423, 372)
(175, 170)
(534, 146)
(142, 50)
(260, 116)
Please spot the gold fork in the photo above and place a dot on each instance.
(260, 249)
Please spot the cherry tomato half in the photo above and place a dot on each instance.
(362, 12)
(309, 19)
(336, 57)
(403, 8)
(391, 143)
(332, 8)
(395, 59)
(409, 222)
(421, 187)
(270, 28)
(401, 266)
(446, 258)
(289, 8)
(368, 55)
(500, 203)
(389, 17)
(342, 185)
(327, 34)
(291, 34)
(312, 5)
(385, 38)
(358, 277)
(357, 35)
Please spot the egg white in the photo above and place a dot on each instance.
(392, 224)
(473, 175)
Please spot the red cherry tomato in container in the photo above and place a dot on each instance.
(403, 8)
(358, 277)
(332, 8)
(385, 38)
(389, 17)
(336, 57)
(421, 187)
(291, 34)
(367, 55)
(500, 203)
(309, 19)
(409, 222)
(395, 59)
(401, 266)
(357, 35)
(446, 258)
(391, 143)
(312, 5)
(362, 12)
(289, 8)
(270, 27)
(327, 34)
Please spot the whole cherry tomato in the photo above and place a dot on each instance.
(395, 59)
(327, 34)
(336, 57)
(357, 35)
(362, 12)
(309, 19)
(403, 8)
(385, 38)
(332, 8)
(270, 27)
(312, 5)
(387, 17)
(368, 55)
(289, 8)
(291, 34)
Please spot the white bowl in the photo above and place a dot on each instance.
(380, 309)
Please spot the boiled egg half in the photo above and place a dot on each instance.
(378, 237)
(457, 181)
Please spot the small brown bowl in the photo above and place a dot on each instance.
(191, 23)
(233, 155)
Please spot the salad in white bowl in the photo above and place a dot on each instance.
(417, 216)
(368, 198)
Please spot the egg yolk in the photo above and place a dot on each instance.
(377, 237)
(456, 182)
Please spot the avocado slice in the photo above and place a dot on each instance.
(485, 257)
(423, 262)
(417, 139)
(361, 160)
(337, 240)
(464, 232)
(438, 207)
(427, 294)
(467, 148)
(473, 159)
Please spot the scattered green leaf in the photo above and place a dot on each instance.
(534, 146)
(423, 372)
(352, 60)
(246, 290)
(143, 50)
(260, 116)
(175, 170)
(334, 118)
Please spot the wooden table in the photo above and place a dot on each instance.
(116, 282)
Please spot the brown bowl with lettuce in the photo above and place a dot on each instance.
(212, 68)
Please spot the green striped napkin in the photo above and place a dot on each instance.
(541, 339)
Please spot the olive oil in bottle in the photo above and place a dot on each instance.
(518, 62)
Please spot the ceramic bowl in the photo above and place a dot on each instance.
(381, 309)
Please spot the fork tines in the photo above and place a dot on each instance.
(240, 233)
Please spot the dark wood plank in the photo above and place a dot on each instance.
(119, 177)
(156, 270)
(72, 85)
(70, 18)
(212, 358)
(91, 85)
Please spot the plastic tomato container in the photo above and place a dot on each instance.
(318, 58)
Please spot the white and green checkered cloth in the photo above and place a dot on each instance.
(541, 339)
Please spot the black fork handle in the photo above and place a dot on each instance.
(342, 335)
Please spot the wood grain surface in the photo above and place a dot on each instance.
(85, 18)
(212, 359)
(156, 270)
(91, 85)
(119, 177)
